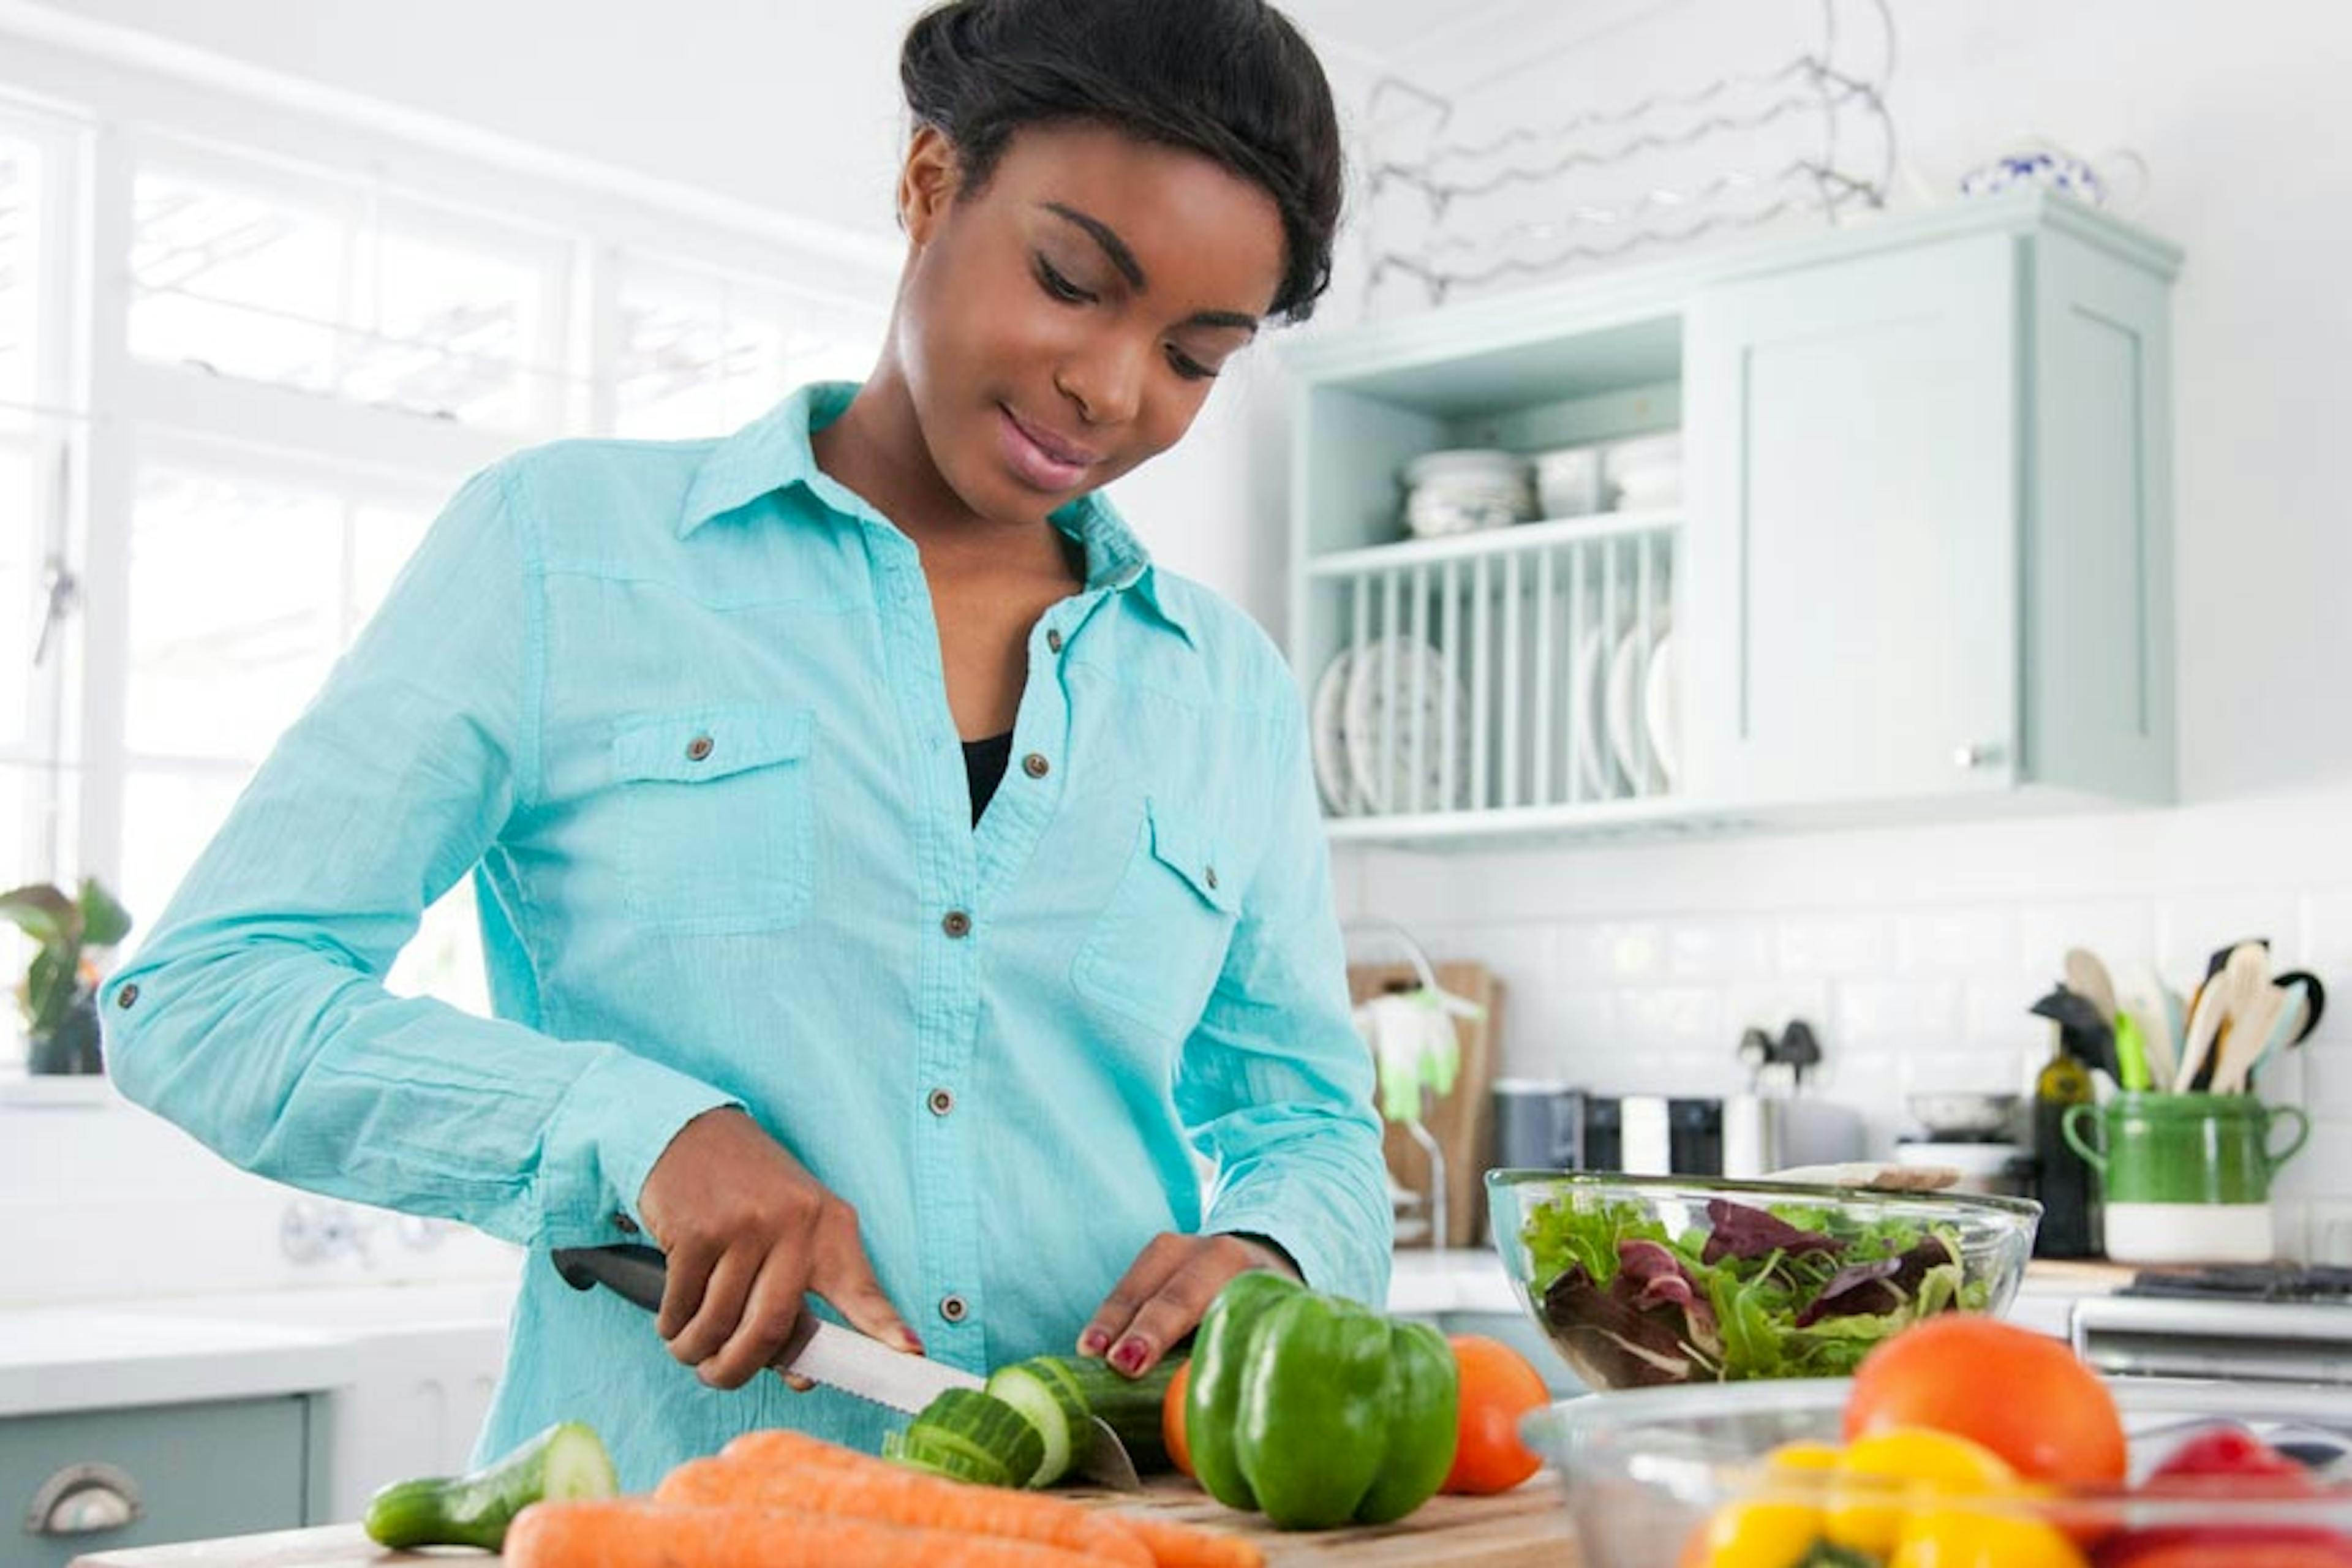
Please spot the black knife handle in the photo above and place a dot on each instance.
(637, 1273)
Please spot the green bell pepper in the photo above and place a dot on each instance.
(1316, 1410)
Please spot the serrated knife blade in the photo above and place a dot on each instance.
(844, 1359)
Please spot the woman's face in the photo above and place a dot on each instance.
(1064, 325)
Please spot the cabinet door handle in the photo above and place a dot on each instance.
(1975, 755)
(84, 1500)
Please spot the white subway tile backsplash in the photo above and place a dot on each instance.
(1717, 949)
(2326, 1069)
(1612, 951)
(2191, 926)
(1960, 941)
(1676, 1019)
(2121, 932)
(1900, 1014)
(1837, 944)
(2322, 1166)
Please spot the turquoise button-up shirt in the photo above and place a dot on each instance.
(679, 709)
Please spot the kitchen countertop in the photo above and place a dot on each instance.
(173, 1350)
(1524, 1528)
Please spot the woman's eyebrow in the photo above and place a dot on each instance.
(1131, 269)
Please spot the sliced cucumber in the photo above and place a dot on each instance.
(566, 1461)
(1081, 1386)
(983, 1429)
(1043, 1390)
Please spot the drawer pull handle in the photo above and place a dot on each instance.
(84, 1500)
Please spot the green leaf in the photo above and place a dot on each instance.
(43, 913)
(104, 920)
(1571, 1230)
(49, 984)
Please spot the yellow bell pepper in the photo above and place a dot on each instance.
(1885, 1477)
(1950, 1536)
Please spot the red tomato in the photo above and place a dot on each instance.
(2021, 1395)
(1499, 1387)
(1171, 1419)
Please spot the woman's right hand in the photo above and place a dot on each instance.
(748, 1231)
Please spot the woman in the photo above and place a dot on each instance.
(786, 977)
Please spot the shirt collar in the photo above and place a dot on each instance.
(772, 453)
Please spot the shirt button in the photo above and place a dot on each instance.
(1211, 877)
(941, 1102)
(1054, 641)
(952, 1308)
(1035, 766)
(624, 1225)
(126, 995)
(697, 748)
(957, 923)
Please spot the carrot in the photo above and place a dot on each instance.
(1174, 1546)
(846, 1484)
(630, 1532)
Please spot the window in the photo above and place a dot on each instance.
(701, 352)
(316, 355)
(343, 289)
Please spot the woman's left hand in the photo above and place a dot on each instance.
(1165, 1292)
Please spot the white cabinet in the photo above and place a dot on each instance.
(1921, 561)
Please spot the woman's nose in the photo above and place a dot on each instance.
(1106, 383)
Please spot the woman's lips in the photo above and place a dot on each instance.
(1037, 461)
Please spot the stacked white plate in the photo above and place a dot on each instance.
(1367, 706)
(1463, 491)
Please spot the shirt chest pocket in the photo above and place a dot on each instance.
(720, 836)
(1154, 956)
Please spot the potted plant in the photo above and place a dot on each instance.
(60, 991)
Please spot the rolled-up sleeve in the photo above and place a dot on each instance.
(1275, 1085)
(255, 1015)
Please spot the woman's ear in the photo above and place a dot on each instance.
(927, 184)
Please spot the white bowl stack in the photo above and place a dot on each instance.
(1643, 473)
(1567, 481)
(1465, 489)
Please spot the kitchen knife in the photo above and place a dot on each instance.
(837, 1357)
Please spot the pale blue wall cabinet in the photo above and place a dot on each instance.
(1920, 561)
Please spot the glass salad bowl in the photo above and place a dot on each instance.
(1646, 1473)
(1641, 1281)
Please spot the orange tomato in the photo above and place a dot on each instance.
(1499, 1387)
(1171, 1419)
(2021, 1395)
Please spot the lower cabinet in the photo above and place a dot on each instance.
(86, 1481)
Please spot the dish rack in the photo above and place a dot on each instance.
(1520, 668)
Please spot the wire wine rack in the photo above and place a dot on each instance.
(1809, 137)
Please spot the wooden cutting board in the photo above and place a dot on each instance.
(1463, 1122)
(1526, 1528)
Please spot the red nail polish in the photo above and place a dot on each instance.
(1092, 1342)
(1128, 1356)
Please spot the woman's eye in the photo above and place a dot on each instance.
(1187, 367)
(1059, 286)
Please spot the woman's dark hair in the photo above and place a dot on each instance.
(1228, 79)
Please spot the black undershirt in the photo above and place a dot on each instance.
(984, 762)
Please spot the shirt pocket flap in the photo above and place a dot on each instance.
(711, 744)
(1179, 845)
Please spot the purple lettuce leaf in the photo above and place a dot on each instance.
(1881, 1286)
(1658, 1278)
(1736, 1230)
(1621, 1346)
